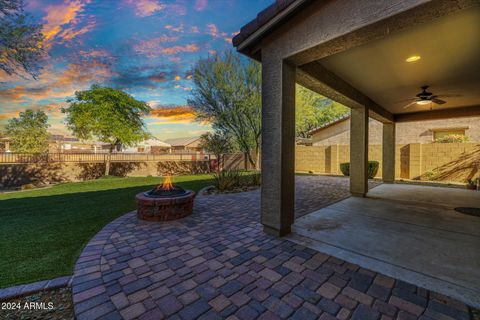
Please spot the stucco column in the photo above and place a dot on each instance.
(359, 152)
(278, 145)
(388, 153)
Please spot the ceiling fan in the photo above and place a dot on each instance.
(425, 97)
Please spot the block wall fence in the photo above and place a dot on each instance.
(454, 162)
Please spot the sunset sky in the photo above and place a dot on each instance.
(145, 47)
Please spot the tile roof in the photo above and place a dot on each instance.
(262, 18)
(328, 124)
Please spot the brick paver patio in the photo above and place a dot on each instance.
(218, 264)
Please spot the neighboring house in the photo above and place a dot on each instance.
(187, 145)
(61, 142)
(338, 131)
(4, 144)
(152, 145)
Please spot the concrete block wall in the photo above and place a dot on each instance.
(310, 159)
(434, 161)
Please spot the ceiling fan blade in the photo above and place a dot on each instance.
(448, 96)
(438, 101)
(410, 104)
(405, 100)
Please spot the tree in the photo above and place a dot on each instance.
(313, 110)
(110, 115)
(28, 133)
(21, 40)
(217, 143)
(227, 94)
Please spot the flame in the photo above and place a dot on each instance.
(167, 184)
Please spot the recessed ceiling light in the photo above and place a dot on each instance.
(413, 58)
(423, 102)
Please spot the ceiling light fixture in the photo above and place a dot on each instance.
(413, 58)
(423, 102)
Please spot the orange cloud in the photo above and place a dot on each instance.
(152, 47)
(212, 30)
(8, 115)
(58, 84)
(145, 8)
(95, 53)
(173, 114)
(175, 29)
(178, 49)
(62, 20)
(53, 111)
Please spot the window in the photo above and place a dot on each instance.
(444, 133)
(450, 135)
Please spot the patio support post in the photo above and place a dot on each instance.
(388, 153)
(359, 152)
(278, 145)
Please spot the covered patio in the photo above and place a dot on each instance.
(407, 232)
(374, 57)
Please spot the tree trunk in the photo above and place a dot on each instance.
(251, 160)
(107, 162)
(257, 156)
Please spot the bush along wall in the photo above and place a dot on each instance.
(372, 168)
(182, 167)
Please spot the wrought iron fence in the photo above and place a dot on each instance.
(10, 157)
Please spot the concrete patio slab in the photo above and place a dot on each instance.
(408, 232)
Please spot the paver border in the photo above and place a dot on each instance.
(30, 288)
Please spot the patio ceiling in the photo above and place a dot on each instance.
(449, 48)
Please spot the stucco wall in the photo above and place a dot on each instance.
(406, 132)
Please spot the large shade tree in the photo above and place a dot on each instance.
(108, 115)
(227, 94)
(21, 40)
(28, 133)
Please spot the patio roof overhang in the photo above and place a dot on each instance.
(355, 52)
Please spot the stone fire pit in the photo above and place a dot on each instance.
(166, 202)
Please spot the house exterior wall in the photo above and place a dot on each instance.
(406, 132)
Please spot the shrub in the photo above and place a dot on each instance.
(429, 175)
(226, 179)
(165, 168)
(472, 183)
(345, 168)
(452, 138)
(372, 168)
(256, 179)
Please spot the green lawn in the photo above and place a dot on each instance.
(42, 232)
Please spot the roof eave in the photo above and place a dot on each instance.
(327, 125)
(245, 44)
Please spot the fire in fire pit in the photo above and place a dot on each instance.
(166, 202)
(166, 189)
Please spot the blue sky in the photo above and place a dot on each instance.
(145, 47)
